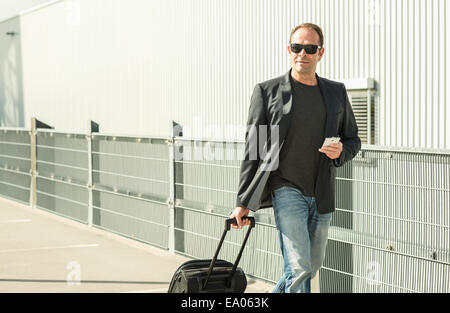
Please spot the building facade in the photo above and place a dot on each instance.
(134, 65)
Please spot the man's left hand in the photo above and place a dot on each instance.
(332, 151)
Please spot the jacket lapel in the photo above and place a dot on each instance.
(287, 102)
(326, 95)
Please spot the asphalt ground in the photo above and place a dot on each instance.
(41, 252)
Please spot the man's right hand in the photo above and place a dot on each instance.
(238, 213)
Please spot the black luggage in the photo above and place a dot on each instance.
(212, 276)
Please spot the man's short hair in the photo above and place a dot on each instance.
(310, 26)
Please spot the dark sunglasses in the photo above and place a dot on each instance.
(309, 49)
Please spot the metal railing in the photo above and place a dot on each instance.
(15, 175)
(390, 231)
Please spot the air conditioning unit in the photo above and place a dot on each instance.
(361, 93)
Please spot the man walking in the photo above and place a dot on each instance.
(304, 109)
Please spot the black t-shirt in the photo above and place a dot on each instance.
(299, 157)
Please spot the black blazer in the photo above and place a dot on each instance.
(270, 105)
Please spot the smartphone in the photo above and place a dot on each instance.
(329, 140)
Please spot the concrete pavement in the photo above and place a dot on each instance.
(43, 252)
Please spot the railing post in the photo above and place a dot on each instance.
(315, 284)
(33, 163)
(35, 124)
(93, 128)
(175, 130)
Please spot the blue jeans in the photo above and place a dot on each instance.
(303, 234)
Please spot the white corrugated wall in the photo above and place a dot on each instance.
(134, 65)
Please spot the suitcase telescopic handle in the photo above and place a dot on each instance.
(228, 223)
(233, 221)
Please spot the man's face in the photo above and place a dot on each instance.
(303, 63)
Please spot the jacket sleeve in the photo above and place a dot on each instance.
(351, 143)
(251, 159)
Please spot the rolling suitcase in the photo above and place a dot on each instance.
(212, 276)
